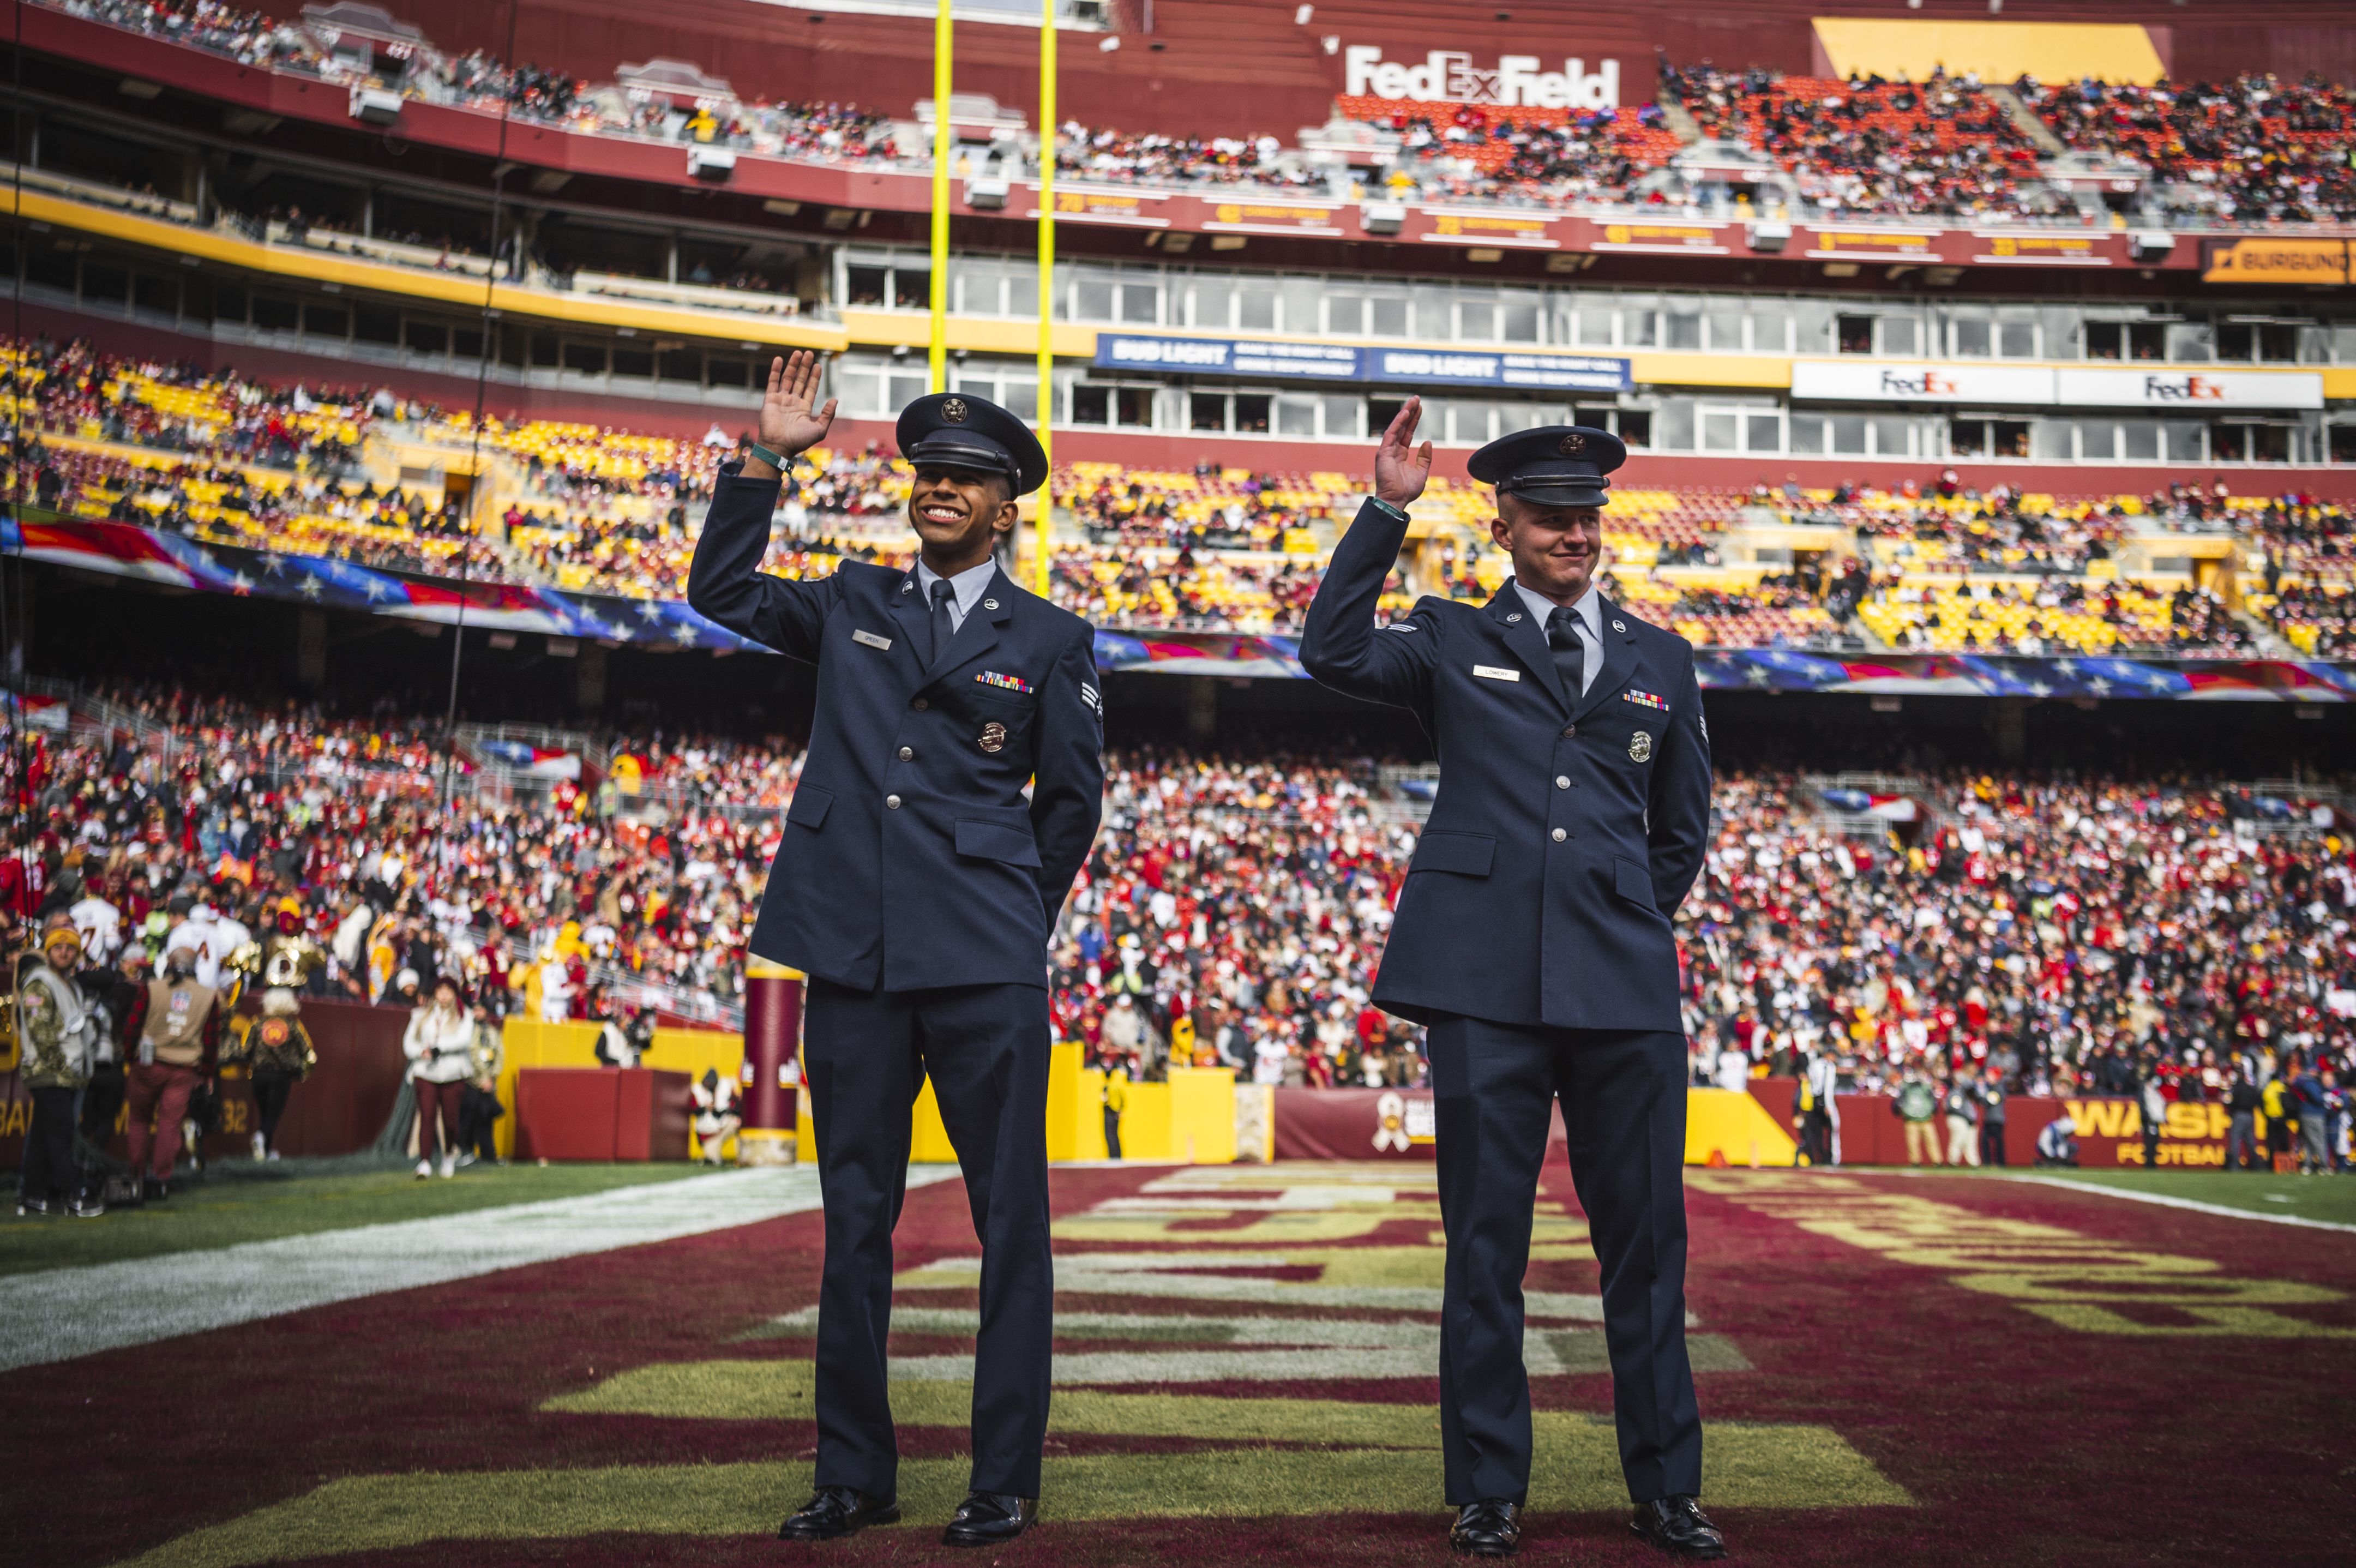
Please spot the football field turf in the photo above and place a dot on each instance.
(1892, 1369)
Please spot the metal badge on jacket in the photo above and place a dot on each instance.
(1640, 747)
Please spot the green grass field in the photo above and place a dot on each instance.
(251, 1205)
(2327, 1197)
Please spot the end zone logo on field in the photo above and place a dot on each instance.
(1928, 383)
(1448, 75)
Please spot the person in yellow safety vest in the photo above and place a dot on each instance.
(2275, 1126)
(1116, 1100)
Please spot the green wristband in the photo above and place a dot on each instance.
(1386, 507)
(771, 458)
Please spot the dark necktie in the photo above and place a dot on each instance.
(1569, 651)
(944, 628)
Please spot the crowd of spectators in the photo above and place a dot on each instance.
(2073, 933)
(2318, 620)
(2248, 149)
(1939, 147)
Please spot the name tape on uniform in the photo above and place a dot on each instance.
(871, 640)
(1491, 673)
(1004, 683)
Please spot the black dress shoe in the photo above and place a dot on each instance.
(1679, 1525)
(989, 1519)
(1489, 1528)
(838, 1511)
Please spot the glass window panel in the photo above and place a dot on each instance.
(2189, 343)
(1252, 413)
(1346, 315)
(1206, 411)
(2141, 440)
(1256, 306)
(1301, 298)
(1342, 416)
(1213, 305)
(866, 285)
(1725, 331)
(1717, 427)
(1892, 435)
(1762, 433)
(1518, 321)
(912, 288)
(1140, 303)
(1771, 330)
(1849, 435)
(1685, 329)
(1435, 311)
(1468, 421)
(1901, 335)
(1134, 407)
(1634, 427)
(1595, 324)
(2017, 339)
(1387, 317)
(1296, 415)
(1673, 425)
(2105, 339)
(2050, 440)
(904, 388)
(1091, 404)
(1092, 299)
(1967, 438)
(1020, 399)
(1807, 432)
(2098, 442)
(1640, 328)
(862, 390)
(1514, 417)
(1812, 323)
(1476, 321)
(1972, 339)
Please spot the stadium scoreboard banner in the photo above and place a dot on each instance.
(2278, 259)
(1528, 370)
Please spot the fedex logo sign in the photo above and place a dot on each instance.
(1449, 76)
(1923, 383)
(2182, 389)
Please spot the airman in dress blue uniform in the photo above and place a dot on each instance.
(1531, 937)
(916, 888)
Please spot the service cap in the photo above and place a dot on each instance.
(1554, 465)
(958, 430)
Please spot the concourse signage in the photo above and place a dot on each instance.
(2154, 387)
(1505, 369)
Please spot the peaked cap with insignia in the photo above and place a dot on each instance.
(1554, 465)
(958, 430)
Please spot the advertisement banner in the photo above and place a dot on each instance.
(1216, 356)
(2110, 1134)
(2085, 387)
(1869, 380)
(2271, 260)
(1461, 368)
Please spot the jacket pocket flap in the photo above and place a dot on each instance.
(1631, 882)
(997, 841)
(809, 806)
(1467, 855)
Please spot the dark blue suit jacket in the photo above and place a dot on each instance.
(1561, 842)
(911, 858)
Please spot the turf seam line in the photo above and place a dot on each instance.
(2194, 1204)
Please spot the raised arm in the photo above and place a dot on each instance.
(1339, 644)
(726, 583)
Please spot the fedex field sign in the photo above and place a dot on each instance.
(1449, 77)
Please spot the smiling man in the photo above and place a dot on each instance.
(1533, 937)
(916, 885)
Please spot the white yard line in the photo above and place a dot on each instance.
(2197, 1207)
(59, 1313)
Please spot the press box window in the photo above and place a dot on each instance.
(1127, 406)
(2127, 339)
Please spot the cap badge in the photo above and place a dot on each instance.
(992, 736)
(1640, 747)
(954, 410)
(1572, 444)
